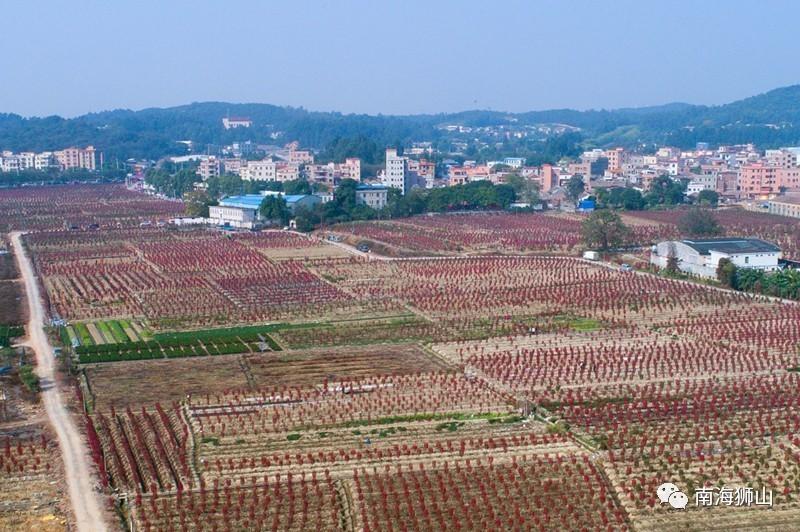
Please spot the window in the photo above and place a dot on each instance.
(747, 260)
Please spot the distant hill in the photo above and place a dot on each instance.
(769, 119)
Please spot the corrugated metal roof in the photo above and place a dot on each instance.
(247, 201)
(732, 245)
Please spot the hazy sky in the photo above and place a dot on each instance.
(380, 56)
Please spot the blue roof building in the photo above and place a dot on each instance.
(247, 201)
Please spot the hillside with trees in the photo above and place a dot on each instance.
(770, 119)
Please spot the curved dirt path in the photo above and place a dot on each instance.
(84, 500)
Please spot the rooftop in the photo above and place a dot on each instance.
(247, 201)
(732, 245)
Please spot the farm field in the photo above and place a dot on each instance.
(633, 380)
(13, 310)
(31, 477)
(271, 381)
(704, 397)
(537, 233)
(174, 279)
(80, 206)
(455, 233)
(783, 231)
(124, 384)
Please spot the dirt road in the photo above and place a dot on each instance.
(85, 500)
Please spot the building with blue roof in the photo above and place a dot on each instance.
(242, 211)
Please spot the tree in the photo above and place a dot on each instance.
(274, 209)
(665, 191)
(699, 222)
(526, 190)
(297, 186)
(672, 258)
(172, 185)
(726, 273)
(708, 198)
(632, 200)
(575, 187)
(197, 203)
(620, 198)
(306, 219)
(604, 229)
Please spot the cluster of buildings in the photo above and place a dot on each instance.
(737, 172)
(281, 165)
(242, 212)
(67, 159)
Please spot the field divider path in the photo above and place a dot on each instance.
(85, 500)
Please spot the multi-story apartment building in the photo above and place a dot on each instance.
(87, 158)
(616, 158)
(332, 173)
(265, 170)
(425, 170)
(457, 175)
(209, 167)
(287, 172)
(66, 159)
(44, 161)
(374, 196)
(232, 166)
(781, 158)
(300, 157)
(396, 174)
(549, 177)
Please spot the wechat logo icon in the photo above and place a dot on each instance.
(668, 493)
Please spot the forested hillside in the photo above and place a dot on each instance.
(769, 119)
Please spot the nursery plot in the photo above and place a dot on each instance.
(505, 286)
(145, 382)
(13, 309)
(717, 470)
(30, 467)
(339, 450)
(284, 245)
(32, 490)
(497, 232)
(8, 267)
(145, 451)
(293, 503)
(552, 492)
(590, 359)
(80, 206)
(356, 400)
(305, 368)
(183, 278)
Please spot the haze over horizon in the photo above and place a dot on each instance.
(407, 58)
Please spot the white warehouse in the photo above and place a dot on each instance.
(701, 256)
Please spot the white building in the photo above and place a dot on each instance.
(209, 167)
(372, 196)
(514, 162)
(265, 170)
(396, 169)
(700, 183)
(234, 122)
(397, 174)
(232, 216)
(701, 257)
